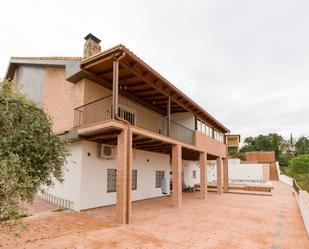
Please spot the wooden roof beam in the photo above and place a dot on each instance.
(127, 77)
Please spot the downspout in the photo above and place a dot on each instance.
(115, 115)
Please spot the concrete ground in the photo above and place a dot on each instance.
(222, 221)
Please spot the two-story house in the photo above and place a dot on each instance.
(130, 129)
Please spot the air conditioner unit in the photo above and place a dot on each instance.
(105, 151)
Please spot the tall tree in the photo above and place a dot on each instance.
(31, 155)
(299, 169)
(271, 142)
(302, 146)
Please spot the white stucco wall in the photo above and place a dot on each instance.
(246, 172)
(94, 176)
(189, 166)
(212, 172)
(284, 178)
(70, 188)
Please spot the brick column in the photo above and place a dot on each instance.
(219, 175)
(122, 177)
(203, 175)
(225, 175)
(177, 168)
(129, 178)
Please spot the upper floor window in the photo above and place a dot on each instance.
(204, 128)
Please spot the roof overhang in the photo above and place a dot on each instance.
(138, 80)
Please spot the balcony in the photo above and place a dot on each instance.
(138, 115)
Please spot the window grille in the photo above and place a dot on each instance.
(111, 180)
(134, 179)
(159, 178)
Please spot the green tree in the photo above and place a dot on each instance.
(31, 155)
(299, 169)
(271, 142)
(302, 146)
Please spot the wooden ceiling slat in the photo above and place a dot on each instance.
(153, 94)
(147, 143)
(127, 77)
(154, 98)
(137, 140)
(141, 91)
(153, 147)
(132, 84)
(107, 71)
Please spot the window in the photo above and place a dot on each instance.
(126, 115)
(134, 179)
(111, 180)
(159, 178)
(199, 125)
(221, 138)
(203, 128)
(194, 174)
(218, 136)
(210, 132)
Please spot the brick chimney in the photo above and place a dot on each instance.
(92, 45)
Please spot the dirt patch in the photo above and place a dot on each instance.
(51, 226)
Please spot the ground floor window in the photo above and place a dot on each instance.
(111, 180)
(134, 179)
(159, 177)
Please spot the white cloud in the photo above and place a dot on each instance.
(246, 62)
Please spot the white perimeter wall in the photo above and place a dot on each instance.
(94, 176)
(250, 171)
(70, 188)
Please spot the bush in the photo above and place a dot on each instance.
(31, 155)
(299, 169)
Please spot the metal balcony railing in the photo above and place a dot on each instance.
(101, 110)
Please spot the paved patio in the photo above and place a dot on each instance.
(223, 221)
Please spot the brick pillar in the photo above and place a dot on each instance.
(219, 175)
(225, 175)
(129, 178)
(122, 177)
(203, 175)
(177, 168)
